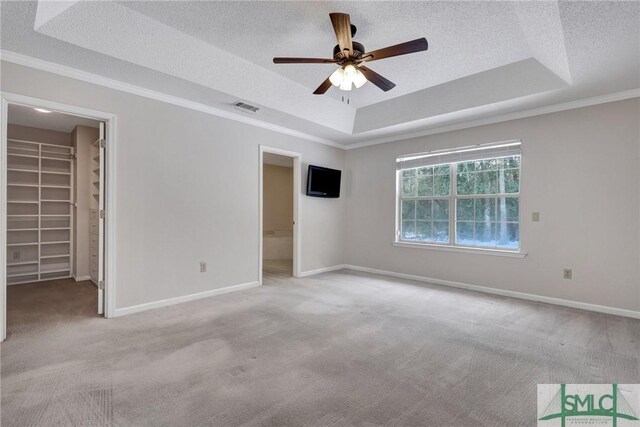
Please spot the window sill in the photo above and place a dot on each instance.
(451, 248)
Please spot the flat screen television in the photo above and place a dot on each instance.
(323, 182)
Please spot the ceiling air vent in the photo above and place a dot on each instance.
(245, 107)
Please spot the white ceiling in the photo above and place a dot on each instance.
(484, 58)
(61, 122)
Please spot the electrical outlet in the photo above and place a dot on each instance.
(203, 267)
(567, 273)
(16, 255)
(535, 217)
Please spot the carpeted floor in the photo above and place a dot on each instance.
(335, 349)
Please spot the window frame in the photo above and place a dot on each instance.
(453, 198)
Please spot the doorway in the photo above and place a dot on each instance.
(279, 213)
(53, 217)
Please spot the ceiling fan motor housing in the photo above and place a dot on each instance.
(358, 50)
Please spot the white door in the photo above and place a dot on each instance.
(101, 217)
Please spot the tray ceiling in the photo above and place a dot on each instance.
(484, 58)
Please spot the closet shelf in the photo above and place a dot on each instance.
(22, 274)
(56, 173)
(17, 282)
(55, 158)
(57, 153)
(9, 264)
(21, 170)
(40, 143)
(22, 150)
(45, 271)
(23, 155)
(39, 175)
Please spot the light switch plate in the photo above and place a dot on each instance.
(535, 217)
(567, 273)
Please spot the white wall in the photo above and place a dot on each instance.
(187, 191)
(580, 170)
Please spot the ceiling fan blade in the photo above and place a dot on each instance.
(413, 46)
(342, 26)
(303, 61)
(376, 79)
(323, 87)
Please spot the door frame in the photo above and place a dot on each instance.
(297, 177)
(7, 98)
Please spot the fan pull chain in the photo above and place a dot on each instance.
(347, 99)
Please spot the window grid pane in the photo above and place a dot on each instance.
(425, 220)
(488, 222)
(486, 203)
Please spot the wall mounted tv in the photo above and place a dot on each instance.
(323, 182)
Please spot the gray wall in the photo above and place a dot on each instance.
(580, 170)
(187, 191)
(36, 134)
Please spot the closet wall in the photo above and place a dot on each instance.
(278, 198)
(277, 212)
(81, 138)
(39, 216)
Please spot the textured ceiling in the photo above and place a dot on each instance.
(457, 34)
(484, 58)
(27, 116)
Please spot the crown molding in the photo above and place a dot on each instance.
(571, 105)
(74, 73)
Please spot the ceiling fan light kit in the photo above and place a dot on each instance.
(347, 76)
(350, 56)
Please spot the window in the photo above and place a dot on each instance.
(468, 197)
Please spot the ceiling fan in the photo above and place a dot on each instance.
(351, 56)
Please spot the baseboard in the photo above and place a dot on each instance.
(502, 292)
(81, 278)
(177, 300)
(322, 270)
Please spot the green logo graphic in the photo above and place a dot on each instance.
(613, 405)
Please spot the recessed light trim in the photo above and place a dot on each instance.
(42, 110)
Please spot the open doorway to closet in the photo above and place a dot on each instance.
(279, 213)
(54, 216)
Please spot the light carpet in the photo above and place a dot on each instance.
(336, 349)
